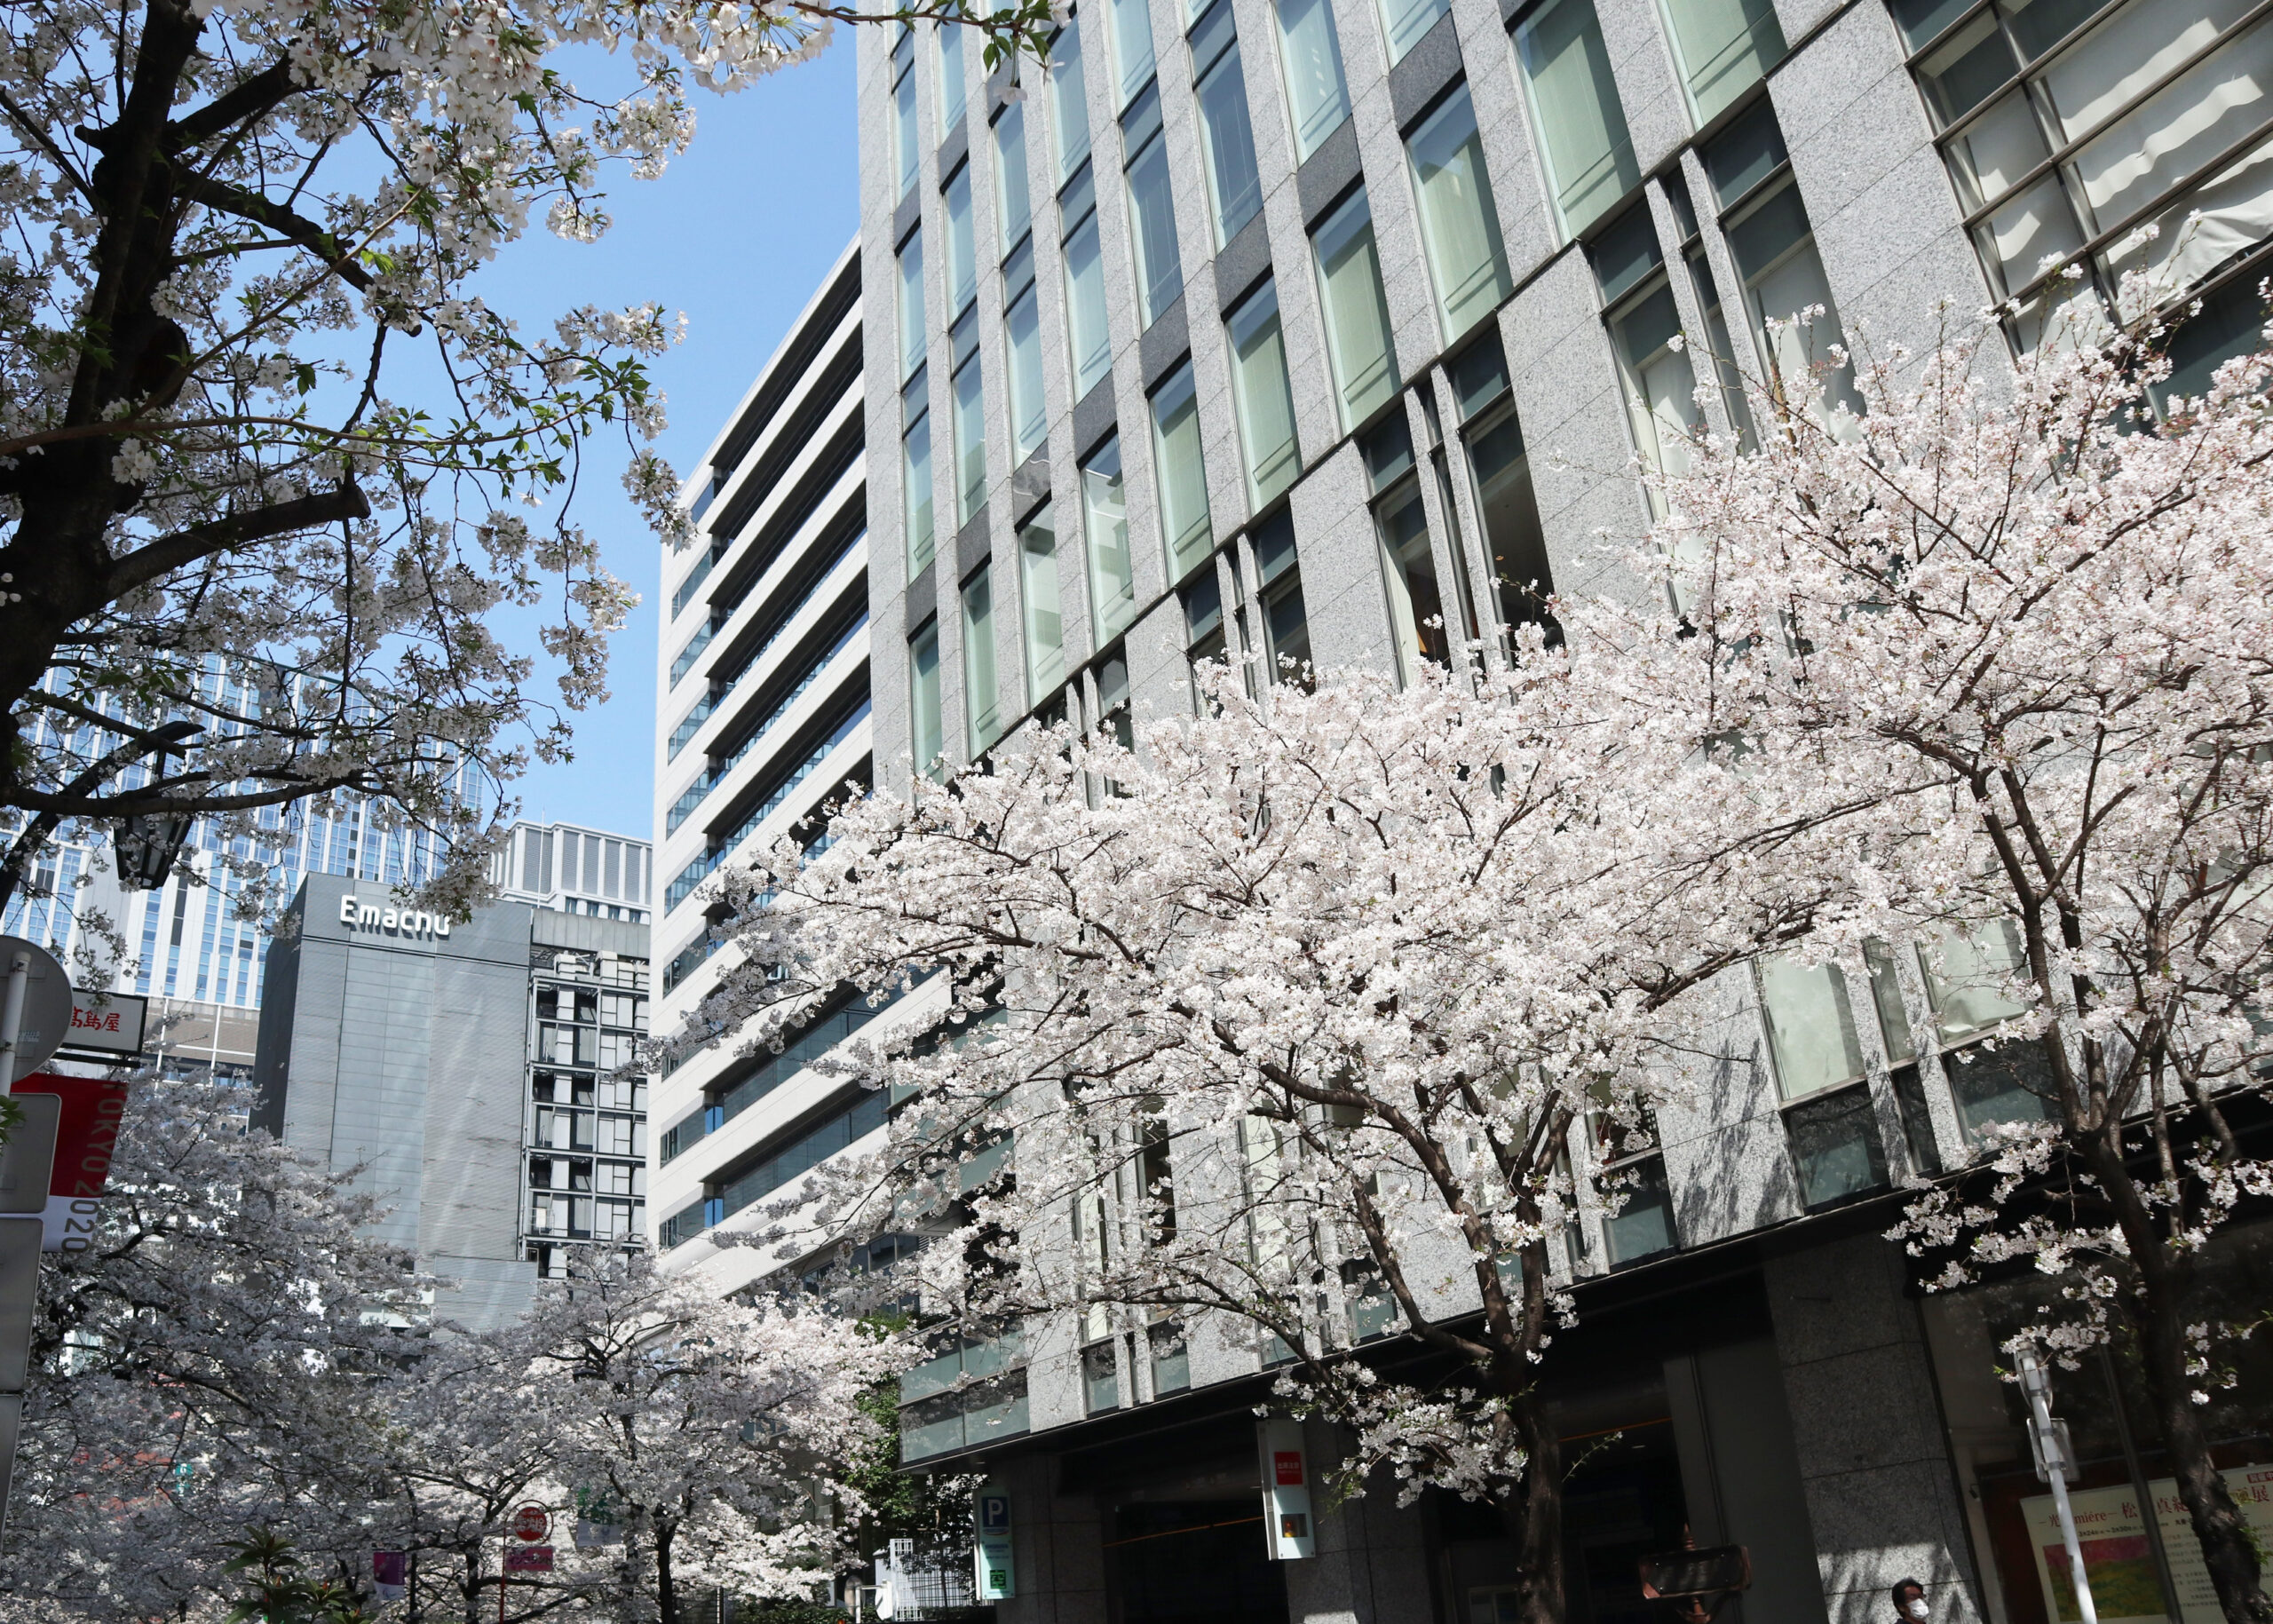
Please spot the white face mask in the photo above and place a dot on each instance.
(1916, 1609)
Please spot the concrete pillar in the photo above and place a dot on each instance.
(1057, 1548)
(1882, 1498)
(1371, 1565)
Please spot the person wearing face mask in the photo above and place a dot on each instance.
(1910, 1603)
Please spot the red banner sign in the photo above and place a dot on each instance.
(85, 1136)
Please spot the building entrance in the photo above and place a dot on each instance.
(1192, 1562)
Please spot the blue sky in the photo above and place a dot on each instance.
(736, 233)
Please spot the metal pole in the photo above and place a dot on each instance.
(12, 1018)
(2140, 1486)
(2036, 1384)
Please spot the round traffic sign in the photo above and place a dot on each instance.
(530, 1523)
(47, 1003)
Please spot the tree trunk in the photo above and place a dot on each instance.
(2158, 1318)
(2159, 1308)
(666, 1586)
(1534, 1515)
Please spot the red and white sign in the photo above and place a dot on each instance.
(85, 1135)
(108, 1022)
(530, 1524)
(528, 1558)
(1288, 1464)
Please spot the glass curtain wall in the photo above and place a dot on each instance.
(1261, 392)
(1357, 312)
(1575, 111)
(1310, 61)
(1227, 137)
(1460, 225)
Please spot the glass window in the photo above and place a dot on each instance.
(1022, 340)
(1310, 59)
(1286, 628)
(970, 425)
(1227, 138)
(951, 88)
(1724, 354)
(1966, 978)
(915, 477)
(925, 738)
(1105, 529)
(1404, 21)
(1513, 536)
(1181, 474)
(1013, 202)
(1659, 385)
(962, 248)
(1069, 99)
(1416, 609)
(1045, 627)
(1132, 46)
(1810, 1026)
(906, 148)
(1459, 224)
(1357, 313)
(1152, 209)
(1575, 111)
(1774, 251)
(1086, 332)
(911, 302)
(1265, 401)
(1725, 47)
(982, 704)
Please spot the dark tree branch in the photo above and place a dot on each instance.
(169, 554)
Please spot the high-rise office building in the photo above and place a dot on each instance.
(762, 718)
(1327, 329)
(469, 1070)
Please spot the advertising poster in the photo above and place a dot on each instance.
(2121, 1563)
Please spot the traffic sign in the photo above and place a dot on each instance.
(530, 1523)
(46, 1018)
(528, 1559)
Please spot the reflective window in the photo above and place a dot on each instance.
(1227, 138)
(907, 148)
(1285, 627)
(1152, 208)
(1310, 61)
(1132, 46)
(1181, 473)
(1357, 312)
(925, 738)
(982, 702)
(951, 85)
(1069, 99)
(1723, 48)
(1404, 21)
(911, 302)
(915, 474)
(1086, 332)
(1104, 530)
(1044, 625)
(969, 422)
(1260, 389)
(1459, 224)
(1013, 203)
(962, 249)
(1416, 608)
(1022, 340)
(1575, 111)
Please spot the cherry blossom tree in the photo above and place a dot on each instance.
(2019, 616)
(266, 462)
(206, 1365)
(1293, 1020)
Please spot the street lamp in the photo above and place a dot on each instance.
(147, 843)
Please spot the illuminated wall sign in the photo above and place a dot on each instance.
(396, 921)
